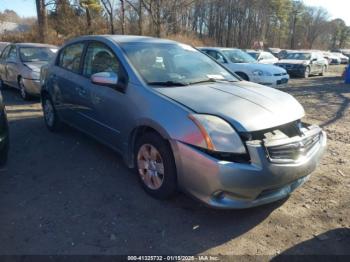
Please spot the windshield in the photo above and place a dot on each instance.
(238, 56)
(173, 64)
(254, 55)
(298, 56)
(36, 54)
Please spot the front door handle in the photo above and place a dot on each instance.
(80, 91)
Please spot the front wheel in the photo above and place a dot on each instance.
(155, 165)
(23, 90)
(52, 121)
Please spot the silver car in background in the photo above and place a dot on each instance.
(20, 66)
(3, 45)
(182, 120)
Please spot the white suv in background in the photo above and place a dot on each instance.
(263, 57)
(247, 67)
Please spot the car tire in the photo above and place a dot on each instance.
(324, 68)
(155, 166)
(2, 85)
(24, 94)
(52, 120)
(307, 72)
(4, 152)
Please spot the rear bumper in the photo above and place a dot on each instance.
(32, 86)
(230, 185)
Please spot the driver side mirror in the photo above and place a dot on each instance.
(313, 60)
(105, 79)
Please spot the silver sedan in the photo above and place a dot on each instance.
(20, 66)
(182, 120)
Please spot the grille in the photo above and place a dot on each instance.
(280, 74)
(282, 81)
(293, 151)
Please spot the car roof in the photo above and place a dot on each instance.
(254, 51)
(301, 51)
(218, 48)
(33, 45)
(119, 39)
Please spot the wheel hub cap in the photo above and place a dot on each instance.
(150, 166)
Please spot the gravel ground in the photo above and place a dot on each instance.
(66, 194)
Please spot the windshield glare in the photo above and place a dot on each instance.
(238, 56)
(298, 56)
(36, 54)
(173, 63)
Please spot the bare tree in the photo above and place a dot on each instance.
(42, 20)
(109, 6)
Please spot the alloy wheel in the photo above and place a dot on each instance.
(150, 166)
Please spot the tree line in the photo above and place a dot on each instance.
(239, 23)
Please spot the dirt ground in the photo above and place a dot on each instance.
(66, 194)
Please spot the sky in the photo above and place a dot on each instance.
(336, 8)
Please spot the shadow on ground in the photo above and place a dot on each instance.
(64, 193)
(332, 242)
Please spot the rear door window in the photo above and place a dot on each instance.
(12, 56)
(70, 57)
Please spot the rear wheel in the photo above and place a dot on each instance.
(22, 88)
(155, 166)
(52, 121)
(323, 71)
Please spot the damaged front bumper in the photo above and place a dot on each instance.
(267, 177)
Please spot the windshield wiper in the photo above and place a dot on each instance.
(167, 83)
(211, 80)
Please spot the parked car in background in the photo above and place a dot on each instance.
(242, 64)
(274, 51)
(346, 52)
(4, 133)
(304, 63)
(342, 58)
(283, 53)
(263, 57)
(334, 60)
(182, 120)
(3, 45)
(20, 66)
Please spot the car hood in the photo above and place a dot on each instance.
(247, 106)
(35, 66)
(292, 61)
(259, 66)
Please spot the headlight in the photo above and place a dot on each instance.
(261, 73)
(218, 134)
